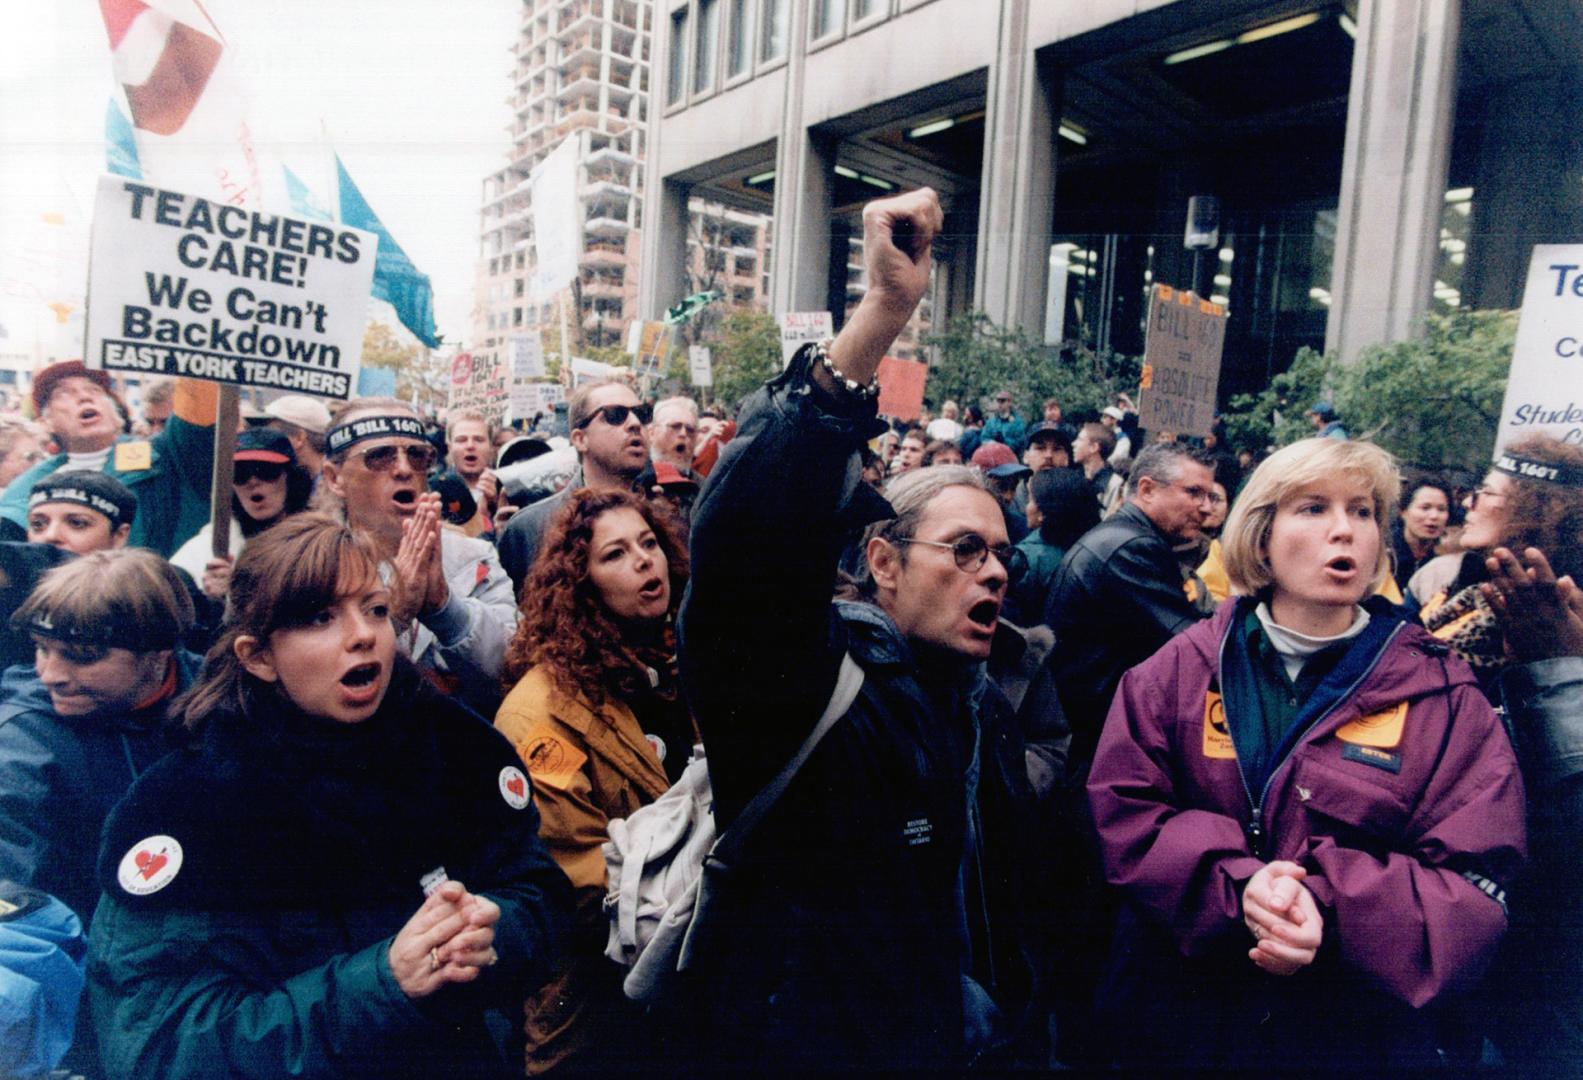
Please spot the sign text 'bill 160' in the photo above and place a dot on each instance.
(180, 285)
(1181, 363)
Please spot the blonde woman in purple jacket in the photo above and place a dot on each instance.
(1310, 808)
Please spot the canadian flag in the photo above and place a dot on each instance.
(188, 105)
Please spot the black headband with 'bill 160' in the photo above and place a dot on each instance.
(372, 427)
(1529, 469)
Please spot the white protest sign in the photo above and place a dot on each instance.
(527, 364)
(800, 327)
(537, 398)
(477, 382)
(179, 285)
(557, 220)
(585, 370)
(699, 365)
(1544, 391)
(1181, 363)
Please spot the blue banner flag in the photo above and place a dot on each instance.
(303, 204)
(120, 149)
(396, 280)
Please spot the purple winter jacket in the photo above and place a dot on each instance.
(1387, 808)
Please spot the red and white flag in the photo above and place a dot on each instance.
(188, 103)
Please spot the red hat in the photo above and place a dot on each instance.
(991, 454)
(264, 444)
(44, 382)
(667, 475)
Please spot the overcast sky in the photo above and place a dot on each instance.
(412, 95)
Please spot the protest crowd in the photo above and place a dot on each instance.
(683, 741)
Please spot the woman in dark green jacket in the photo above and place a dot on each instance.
(342, 875)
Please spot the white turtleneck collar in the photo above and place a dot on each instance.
(1294, 648)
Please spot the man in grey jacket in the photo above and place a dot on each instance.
(457, 612)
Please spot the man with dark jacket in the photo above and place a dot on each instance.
(81, 723)
(1118, 595)
(875, 920)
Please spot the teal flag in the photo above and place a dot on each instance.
(396, 280)
(303, 204)
(120, 148)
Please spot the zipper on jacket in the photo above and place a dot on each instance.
(1255, 826)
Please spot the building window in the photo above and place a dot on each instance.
(740, 32)
(676, 83)
(862, 9)
(705, 43)
(828, 15)
(772, 32)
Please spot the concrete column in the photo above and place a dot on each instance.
(663, 280)
(1523, 191)
(1393, 175)
(804, 164)
(1017, 203)
(663, 243)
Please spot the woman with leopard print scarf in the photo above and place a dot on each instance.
(1532, 497)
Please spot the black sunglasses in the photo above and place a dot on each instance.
(267, 471)
(616, 415)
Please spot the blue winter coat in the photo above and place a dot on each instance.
(59, 778)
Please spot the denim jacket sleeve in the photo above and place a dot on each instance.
(759, 645)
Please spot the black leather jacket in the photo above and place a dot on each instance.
(1116, 599)
(845, 938)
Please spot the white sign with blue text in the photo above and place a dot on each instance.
(1544, 392)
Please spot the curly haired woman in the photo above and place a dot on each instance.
(1532, 497)
(597, 718)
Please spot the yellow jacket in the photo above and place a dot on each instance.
(587, 767)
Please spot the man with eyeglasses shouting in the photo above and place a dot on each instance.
(607, 423)
(455, 613)
(1117, 597)
(873, 921)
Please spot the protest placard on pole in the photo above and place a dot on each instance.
(527, 366)
(180, 285)
(1544, 391)
(479, 383)
(1181, 363)
(700, 366)
(800, 327)
(901, 387)
(653, 346)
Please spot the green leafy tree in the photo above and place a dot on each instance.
(421, 375)
(1432, 401)
(746, 351)
(1435, 400)
(979, 358)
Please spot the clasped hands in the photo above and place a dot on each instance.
(419, 587)
(1280, 912)
(450, 939)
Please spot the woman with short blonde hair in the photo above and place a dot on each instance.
(1290, 469)
(1305, 782)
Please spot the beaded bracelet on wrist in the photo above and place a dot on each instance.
(821, 353)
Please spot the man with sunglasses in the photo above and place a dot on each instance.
(457, 612)
(873, 922)
(607, 423)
